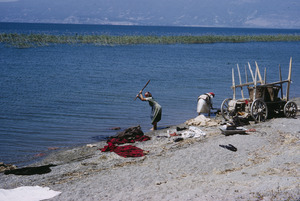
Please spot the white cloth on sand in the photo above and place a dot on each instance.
(193, 132)
(27, 193)
(201, 120)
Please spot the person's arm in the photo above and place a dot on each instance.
(140, 96)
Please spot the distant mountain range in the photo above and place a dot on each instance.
(212, 13)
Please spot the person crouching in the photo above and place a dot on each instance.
(205, 103)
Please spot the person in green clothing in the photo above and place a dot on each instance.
(156, 108)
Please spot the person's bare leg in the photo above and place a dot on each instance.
(154, 126)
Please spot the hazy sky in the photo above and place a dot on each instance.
(216, 13)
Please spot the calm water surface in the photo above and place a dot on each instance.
(65, 95)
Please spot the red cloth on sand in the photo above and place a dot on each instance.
(127, 150)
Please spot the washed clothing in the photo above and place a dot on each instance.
(156, 110)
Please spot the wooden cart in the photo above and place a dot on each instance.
(263, 101)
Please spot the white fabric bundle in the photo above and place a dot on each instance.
(27, 193)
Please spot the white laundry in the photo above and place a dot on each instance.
(201, 120)
(193, 132)
(27, 193)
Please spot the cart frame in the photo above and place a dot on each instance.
(263, 101)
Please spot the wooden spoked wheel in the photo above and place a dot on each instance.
(225, 109)
(259, 110)
(290, 109)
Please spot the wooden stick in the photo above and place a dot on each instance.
(255, 82)
(259, 75)
(246, 74)
(289, 81)
(233, 84)
(280, 79)
(142, 89)
(265, 76)
(238, 68)
(251, 72)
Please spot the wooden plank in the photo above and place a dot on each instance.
(251, 72)
(289, 81)
(246, 84)
(233, 84)
(255, 83)
(238, 68)
(262, 85)
(280, 79)
(265, 76)
(246, 74)
(258, 72)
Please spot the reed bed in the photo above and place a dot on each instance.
(36, 40)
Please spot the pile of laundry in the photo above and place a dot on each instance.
(184, 133)
(130, 135)
(193, 132)
(201, 120)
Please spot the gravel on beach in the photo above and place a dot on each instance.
(266, 166)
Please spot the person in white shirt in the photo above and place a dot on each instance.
(205, 103)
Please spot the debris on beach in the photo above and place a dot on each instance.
(231, 130)
(229, 147)
(4, 167)
(201, 120)
(91, 145)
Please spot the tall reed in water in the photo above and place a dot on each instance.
(35, 40)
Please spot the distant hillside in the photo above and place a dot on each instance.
(217, 13)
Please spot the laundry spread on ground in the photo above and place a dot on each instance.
(201, 120)
(27, 193)
(130, 135)
(193, 132)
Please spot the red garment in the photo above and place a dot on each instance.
(127, 150)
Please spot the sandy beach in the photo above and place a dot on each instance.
(266, 166)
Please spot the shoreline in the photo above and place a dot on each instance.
(265, 166)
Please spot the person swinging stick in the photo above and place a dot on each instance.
(156, 108)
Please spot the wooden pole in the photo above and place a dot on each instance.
(280, 79)
(289, 81)
(265, 76)
(246, 74)
(251, 71)
(240, 78)
(255, 82)
(259, 75)
(142, 89)
(233, 84)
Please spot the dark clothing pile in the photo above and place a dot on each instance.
(130, 135)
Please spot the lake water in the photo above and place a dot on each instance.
(66, 95)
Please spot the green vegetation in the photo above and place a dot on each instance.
(36, 40)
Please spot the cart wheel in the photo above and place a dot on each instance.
(290, 109)
(259, 110)
(224, 109)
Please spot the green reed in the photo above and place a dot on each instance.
(36, 40)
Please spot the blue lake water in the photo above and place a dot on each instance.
(66, 95)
